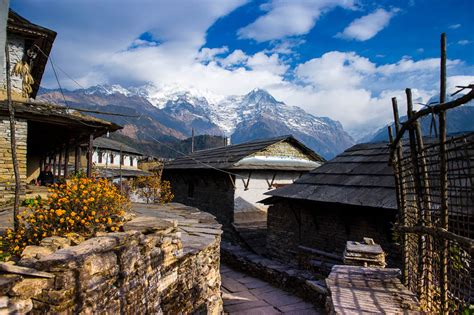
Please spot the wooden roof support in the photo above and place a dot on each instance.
(89, 155)
(231, 180)
(66, 160)
(246, 183)
(270, 184)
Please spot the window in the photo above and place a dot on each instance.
(131, 161)
(99, 157)
(111, 158)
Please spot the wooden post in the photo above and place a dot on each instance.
(11, 111)
(425, 219)
(60, 159)
(53, 170)
(417, 184)
(89, 155)
(443, 169)
(120, 170)
(402, 191)
(77, 158)
(66, 160)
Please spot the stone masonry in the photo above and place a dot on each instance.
(7, 178)
(166, 261)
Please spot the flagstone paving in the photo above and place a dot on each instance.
(243, 294)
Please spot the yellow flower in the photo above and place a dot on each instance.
(73, 214)
(109, 220)
(93, 212)
(84, 208)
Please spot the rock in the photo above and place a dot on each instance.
(29, 287)
(7, 282)
(317, 286)
(55, 242)
(75, 238)
(3, 302)
(24, 271)
(19, 306)
(35, 252)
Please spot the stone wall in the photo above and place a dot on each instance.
(207, 190)
(7, 178)
(154, 266)
(326, 228)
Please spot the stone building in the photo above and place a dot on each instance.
(46, 134)
(113, 159)
(229, 181)
(350, 197)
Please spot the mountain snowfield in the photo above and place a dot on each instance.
(177, 111)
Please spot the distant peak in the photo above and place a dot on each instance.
(258, 95)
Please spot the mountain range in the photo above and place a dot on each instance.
(458, 120)
(169, 114)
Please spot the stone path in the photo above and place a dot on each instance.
(243, 294)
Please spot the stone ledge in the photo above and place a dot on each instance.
(166, 261)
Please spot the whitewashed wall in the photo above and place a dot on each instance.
(16, 48)
(246, 201)
(116, 163)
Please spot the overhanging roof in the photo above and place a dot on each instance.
(228, 157)
(105, 143)
(59, 115)
(360, 176)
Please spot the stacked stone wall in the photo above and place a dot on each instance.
(145, 270)
(7, 178)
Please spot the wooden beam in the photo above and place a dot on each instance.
(16, 169)
(443, 170)
(66, 160)
(89, 155)
(77, 158)
(59, 161)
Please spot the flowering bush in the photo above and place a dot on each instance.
(152, 188)
(83, 206)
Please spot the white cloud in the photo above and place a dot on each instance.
(454, 26)
(237, 57)
(464, 42)
(208, 54)
(335, 69)
(289, 18)
(366, 27)
(342, 85)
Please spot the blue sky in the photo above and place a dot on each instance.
(339, 58)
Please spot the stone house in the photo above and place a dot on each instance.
(350, 197)
(113, 159)
(46, 134)
(229, 181)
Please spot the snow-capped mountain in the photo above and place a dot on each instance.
(172, 111)
(459, 119)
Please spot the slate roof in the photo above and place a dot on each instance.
(105, 143)
(227, 156)
(359, 176)
(56, 114)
